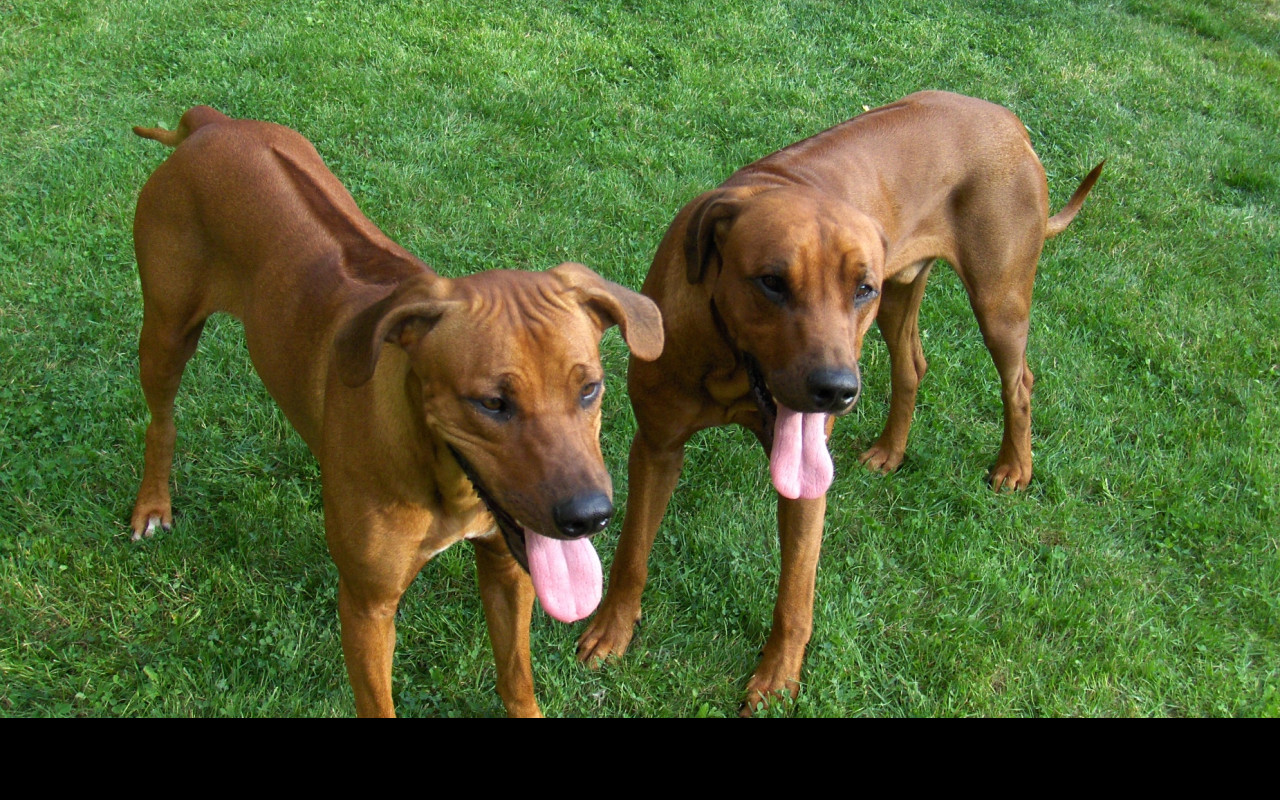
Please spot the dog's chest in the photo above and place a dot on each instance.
(734, 402)
(458, 514)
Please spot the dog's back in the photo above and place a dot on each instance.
(244, 218)
(927, 139)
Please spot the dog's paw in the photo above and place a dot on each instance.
(524, 710)
(881, 459)
(606, 637)
(777, 676)
(146, 520)
(768, 692)
(1012, 477)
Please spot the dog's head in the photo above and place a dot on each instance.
(794, 277)
(506, 369)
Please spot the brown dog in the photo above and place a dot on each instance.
(767, 286)
(439, 410)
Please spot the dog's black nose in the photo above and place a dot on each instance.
(583, 514)
(833, 390)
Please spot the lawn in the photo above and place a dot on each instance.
(1139, 575)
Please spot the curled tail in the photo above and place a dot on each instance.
(1059, 222)
(195, 118)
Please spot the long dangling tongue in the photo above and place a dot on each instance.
(800, 463)
(566, 575)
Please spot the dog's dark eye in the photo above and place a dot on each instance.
(590, 393)
(773, 287)
(495, 407)
(864, 292)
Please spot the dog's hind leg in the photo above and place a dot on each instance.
(898, 319)
(1000, 295)
(165, 346)
(174, 309)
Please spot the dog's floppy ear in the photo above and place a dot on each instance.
(711, 214)
(635, 315)
(408, 312)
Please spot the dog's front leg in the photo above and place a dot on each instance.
(375, 564)
(507, 593)
(368, 644)
(800, 537)
(652, 472)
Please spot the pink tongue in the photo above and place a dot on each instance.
(566, 575)
(800, 464)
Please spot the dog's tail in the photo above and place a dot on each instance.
(1059, 222)
(195, 118)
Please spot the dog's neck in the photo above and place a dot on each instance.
(721, 328)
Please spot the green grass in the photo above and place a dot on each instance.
(1139, 575)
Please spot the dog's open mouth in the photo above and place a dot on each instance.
(799, 461)
(566, 573)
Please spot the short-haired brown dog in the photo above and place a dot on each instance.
(439, 410)
(767, 285)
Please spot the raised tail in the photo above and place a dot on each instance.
(195, 118)
(1059, 222)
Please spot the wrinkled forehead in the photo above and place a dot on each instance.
(786, 226)
(518, 322)
(779, 215)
